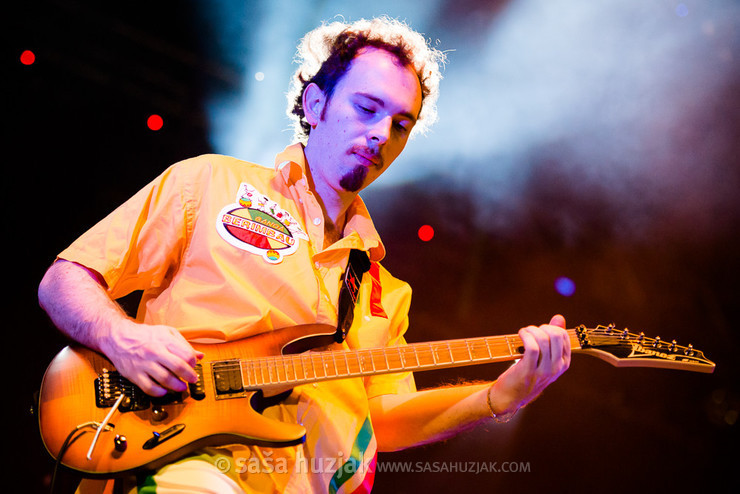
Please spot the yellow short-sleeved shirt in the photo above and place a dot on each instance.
(224, 249)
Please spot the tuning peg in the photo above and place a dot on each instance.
(625, 334)
(656, 342)
(641, 337)
(672, 348)
(689, 350)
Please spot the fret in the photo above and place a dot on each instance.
(290, 366)
(401, 360)
(246, 365)
(298, 366)
(327, 365)
(356, 359)
(298, 359)
(508, 344)
(334, 362)
(319, 365)
(255, 381)
(242, 373)
(276, 363)
(416, 356)
(309, 372)
(366, 356)
(379, 359)
(270, 368)
(372, 360)
(346, 362)
(470, 353)
(449, 350)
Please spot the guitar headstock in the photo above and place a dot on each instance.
(624, 349)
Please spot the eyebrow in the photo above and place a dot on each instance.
(381, 102)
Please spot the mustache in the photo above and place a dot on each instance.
(370, 153)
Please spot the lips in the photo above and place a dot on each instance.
(368, 157)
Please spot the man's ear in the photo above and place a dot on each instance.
(313, 103)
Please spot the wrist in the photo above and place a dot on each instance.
(500, 415)
(113, 335)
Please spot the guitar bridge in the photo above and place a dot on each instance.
(109, 385)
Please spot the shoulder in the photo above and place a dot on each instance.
(202, 172)
(219, 163)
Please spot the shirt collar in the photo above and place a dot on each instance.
(359, 231)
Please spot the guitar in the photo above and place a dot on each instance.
(95, 422)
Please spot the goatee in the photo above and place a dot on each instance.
(355, 179)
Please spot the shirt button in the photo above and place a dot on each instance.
(317, 221)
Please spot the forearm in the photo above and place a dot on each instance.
(78, 305)
(413, 419)
(155, 357)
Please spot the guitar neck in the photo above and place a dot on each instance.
(308, 367)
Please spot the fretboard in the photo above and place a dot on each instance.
(317, 366)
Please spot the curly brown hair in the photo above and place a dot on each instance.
(324, 56)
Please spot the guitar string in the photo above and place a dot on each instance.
(396, 362)
(313, 366)
(278, 369)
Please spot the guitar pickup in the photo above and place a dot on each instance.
(227, 379)
(198, 389)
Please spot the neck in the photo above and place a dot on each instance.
(334, 205)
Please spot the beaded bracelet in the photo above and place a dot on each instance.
(500, 418)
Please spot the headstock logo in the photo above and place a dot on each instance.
(258, 225)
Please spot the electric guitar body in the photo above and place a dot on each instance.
(80, 386)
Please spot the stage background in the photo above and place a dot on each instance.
(598, 145)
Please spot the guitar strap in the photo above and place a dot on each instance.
(357, 266)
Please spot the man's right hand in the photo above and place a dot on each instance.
(155, 358)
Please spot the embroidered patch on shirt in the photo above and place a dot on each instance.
(258, 225)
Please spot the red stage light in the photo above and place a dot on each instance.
(426, 233)
(154, 122)
(28, 57)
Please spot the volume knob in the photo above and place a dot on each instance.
(158, 413)
(120, 443)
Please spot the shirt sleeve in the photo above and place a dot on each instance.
(139, 244)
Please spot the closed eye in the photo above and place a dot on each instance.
(365, 110)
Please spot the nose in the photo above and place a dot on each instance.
(380, 131)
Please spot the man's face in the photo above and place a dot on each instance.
(365, 125)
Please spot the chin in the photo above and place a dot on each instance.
(354, 181)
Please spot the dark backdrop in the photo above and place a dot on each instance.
(76, 146)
